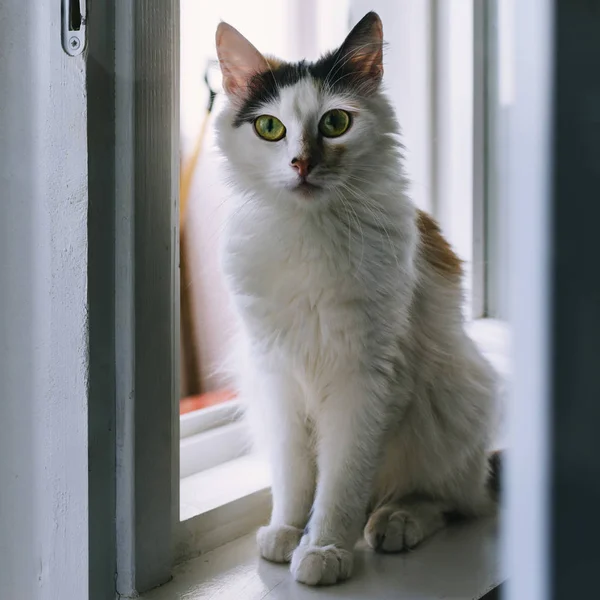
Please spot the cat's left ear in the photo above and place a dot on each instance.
(239, 61)
(363, 49)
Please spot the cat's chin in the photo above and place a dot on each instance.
(306, 190)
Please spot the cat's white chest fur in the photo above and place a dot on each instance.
(295, 290)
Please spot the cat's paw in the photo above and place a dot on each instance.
(277, 542)
(393, 530)
(321, 565)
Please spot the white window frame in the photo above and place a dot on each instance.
(526, 530)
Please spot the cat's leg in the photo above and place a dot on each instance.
(349, 427)
(399, 526)
(293, 470)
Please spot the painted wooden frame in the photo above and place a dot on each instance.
(146, 291)
(526, 534)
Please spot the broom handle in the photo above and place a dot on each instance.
(187, 319)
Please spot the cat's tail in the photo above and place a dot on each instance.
(495, 461)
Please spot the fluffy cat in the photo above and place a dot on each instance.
(375, 405)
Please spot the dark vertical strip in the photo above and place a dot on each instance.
(480, 154)
(101, 286)
(575, 514)
(156, 153)
(20, 251)
(496, 594)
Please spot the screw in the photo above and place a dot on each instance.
(74, 43)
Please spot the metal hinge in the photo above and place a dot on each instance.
(73, 26)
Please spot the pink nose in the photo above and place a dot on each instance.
(302, 165)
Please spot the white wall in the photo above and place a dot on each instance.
(199, 22)
(43, 298)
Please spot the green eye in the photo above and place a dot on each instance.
(334, 123)
(269, 128)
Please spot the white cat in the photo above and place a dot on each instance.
(375, 405)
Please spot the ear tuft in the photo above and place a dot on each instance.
(239, 61)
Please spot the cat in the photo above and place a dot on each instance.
(375, 406)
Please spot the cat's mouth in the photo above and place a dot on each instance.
(306, 188)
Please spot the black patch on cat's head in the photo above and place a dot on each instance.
(329, 70)
(264, 87)
(336, 71)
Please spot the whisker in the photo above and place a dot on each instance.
(373, 209)
(348, 206)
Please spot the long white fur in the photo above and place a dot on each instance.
(352, 357)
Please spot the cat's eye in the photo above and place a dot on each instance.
(334, 123)
(269, 128)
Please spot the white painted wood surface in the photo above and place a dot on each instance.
(211, 448)
(461, 563)
(147, 291)
(528, 535)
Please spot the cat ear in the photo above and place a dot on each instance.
(363, 49)
(239, 61)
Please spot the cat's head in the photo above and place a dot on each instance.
(305, 131)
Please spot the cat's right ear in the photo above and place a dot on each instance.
(239, 61)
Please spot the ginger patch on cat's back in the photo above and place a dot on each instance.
(436, 249)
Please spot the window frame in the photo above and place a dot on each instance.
(482, 137)
(146, 290)
(526, 531)
(498, 82)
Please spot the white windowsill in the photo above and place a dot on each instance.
(221, 485)
(461, 562)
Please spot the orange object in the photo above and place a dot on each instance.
(187, 172)
(189, 345)
(199, 401)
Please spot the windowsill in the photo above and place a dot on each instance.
(220, 505)
(461, 562)
(492, 336)
(222, 485)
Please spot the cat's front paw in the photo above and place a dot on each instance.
(277, 542)
(321, 565)
(393, 530)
